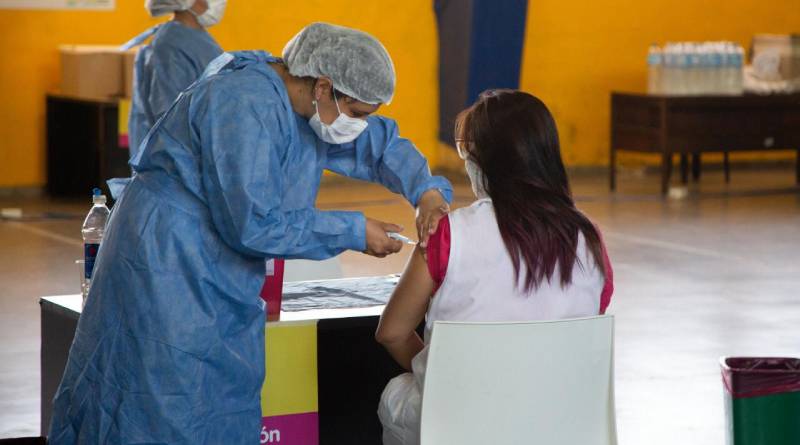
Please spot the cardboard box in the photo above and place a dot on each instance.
(128, 59)
(91, 71)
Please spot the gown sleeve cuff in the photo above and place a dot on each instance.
(437, 183)
(353, 234)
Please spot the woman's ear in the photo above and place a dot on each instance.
(315, 91)
(323, 87)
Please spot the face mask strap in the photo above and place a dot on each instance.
(335, 100)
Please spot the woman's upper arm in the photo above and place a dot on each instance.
(409, 302)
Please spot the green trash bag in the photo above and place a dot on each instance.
(762, 400)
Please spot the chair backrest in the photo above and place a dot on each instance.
(305, 270)
(520, 383)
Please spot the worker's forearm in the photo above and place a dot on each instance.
(403, 351)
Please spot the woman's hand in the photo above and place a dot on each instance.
(430, 209)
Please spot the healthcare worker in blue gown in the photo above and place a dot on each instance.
(170, 346)
(175, 57)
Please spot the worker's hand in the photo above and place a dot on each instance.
(378, 244)
(430, 209)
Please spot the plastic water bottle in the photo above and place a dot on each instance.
(708, 68)
(93, 228)
(694, 69)
(737, 75)
(725, 70)
(668, 73)
(716, 63)
(654, 70)
(682, 81)
(733, 59)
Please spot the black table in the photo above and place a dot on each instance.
(352, 368)
(692, 125)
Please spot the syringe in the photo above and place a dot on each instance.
(401, 238)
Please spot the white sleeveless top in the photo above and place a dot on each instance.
(479, 283)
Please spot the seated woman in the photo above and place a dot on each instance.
(521, 252)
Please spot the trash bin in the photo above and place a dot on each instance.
(762, 400)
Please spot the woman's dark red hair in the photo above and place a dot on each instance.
(513, 139)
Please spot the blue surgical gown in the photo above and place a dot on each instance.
(170, 346)
(174, 59)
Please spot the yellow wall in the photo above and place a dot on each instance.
(575, 54)
(29, 66)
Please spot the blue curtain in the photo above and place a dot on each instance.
(480, 48)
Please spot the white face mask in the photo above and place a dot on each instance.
(476, 178)
(212, 16)
(343, 130)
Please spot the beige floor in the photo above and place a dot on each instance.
(715, 274)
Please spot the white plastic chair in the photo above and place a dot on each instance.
(546, 383)
(305, 270)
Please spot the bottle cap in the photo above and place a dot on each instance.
(98, 197)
